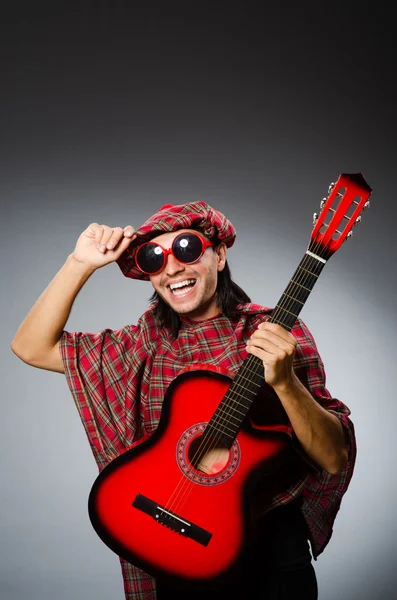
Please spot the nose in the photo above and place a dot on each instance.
(172, 265)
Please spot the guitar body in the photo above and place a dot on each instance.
(156, 509)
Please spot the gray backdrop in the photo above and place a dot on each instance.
(107, 114)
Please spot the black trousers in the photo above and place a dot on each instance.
(277, 566)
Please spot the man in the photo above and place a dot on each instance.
(199, 315)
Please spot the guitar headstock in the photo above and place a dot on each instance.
(348, 197)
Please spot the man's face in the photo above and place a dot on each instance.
(197, 299)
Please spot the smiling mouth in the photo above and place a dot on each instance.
(184, 289)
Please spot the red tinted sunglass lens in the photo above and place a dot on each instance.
(187, 247)
(150, 258)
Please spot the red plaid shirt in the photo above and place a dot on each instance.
(118, 380)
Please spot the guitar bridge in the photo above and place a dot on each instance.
(172, 520)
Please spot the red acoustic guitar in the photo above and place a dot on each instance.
(177, 503)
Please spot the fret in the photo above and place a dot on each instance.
(250, 370)
(242, 386)
(258, 373)
(292, 298)
(250, 381)
(233, 409)
(230, 426)
(311, 273)
(278, 322)
(230, 414)
(287, 323)
(288, 311)
(256, 363)
(229, 402)
(300, 285)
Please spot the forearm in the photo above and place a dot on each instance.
(319, 432)
(43, 325)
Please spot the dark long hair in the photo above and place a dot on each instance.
(228, 295)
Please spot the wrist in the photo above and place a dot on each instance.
(81, 269)
(288, 386)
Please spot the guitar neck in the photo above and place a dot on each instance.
(298, 290)
(236, 403)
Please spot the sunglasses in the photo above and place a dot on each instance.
(187, 248)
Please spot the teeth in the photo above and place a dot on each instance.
(174, 286)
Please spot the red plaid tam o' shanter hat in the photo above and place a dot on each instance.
(199, 214)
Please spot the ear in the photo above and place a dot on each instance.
(221, 256)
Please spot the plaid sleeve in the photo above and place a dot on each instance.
(97, 366)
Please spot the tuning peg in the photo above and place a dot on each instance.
(349, 235)
(358, 220)
(315, 218)
(366, 205)
(323, 202)
(331, 187)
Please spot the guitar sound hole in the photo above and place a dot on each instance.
(209, 457)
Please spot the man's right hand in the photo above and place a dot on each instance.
(37, 341)
(100, 245)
